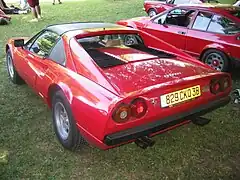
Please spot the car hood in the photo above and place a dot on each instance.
(144, 70)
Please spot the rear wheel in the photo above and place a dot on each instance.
(216, 59)
(152, 12)
(64, 124)
(12, 73)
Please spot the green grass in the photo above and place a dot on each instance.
(189, 152)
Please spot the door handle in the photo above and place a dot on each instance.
(181, 32)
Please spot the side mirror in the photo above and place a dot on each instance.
(19, 42)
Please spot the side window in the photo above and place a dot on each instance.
(44, 43)
(160, 19)
(223, 25)
(31, 40)
(177, 2)
(202, 21)
(179, 17)
(58, 53)
(181, 2)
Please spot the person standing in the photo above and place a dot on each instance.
(24, 5)
(36, 10)
(59, 1)
(4, 19)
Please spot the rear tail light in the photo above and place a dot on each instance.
(122, 114)
(136, 109)
(215, 86)
(225, 83)
(219, 85)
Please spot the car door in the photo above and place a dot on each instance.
(209, 29)
(36, 64)
(55, 61)
(198, 37)
(171, 26)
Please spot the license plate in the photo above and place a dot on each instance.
(180, 96)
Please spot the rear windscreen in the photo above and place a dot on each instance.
(94, 46)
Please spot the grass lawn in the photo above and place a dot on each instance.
(189, 152)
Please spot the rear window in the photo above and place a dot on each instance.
(112, 40)
(107, 50)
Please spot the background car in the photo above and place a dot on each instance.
(210, 33)
(106, 84)
(155, 7)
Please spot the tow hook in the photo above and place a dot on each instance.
(144, 142)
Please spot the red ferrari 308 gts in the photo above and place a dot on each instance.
(208, 32)
(108, 86)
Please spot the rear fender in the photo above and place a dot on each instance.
(217, 47)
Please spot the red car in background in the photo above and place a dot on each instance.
(210, 33)
(155, 7)
(108, 86)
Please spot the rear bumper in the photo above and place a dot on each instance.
(161, 125)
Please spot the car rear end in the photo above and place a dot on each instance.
(157, 91)
(164, 106)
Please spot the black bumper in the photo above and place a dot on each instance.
(147, 129)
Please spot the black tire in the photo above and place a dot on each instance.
(151, 12)
(201, 121)
(74, 140)
(220, 54)
(14, 76)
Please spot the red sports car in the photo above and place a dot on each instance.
(155, 7)
(210, 33)
(108, 86)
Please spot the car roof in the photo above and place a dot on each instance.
(212, 7)
(76, 26)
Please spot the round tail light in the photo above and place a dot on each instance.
(122, 114)
(215, 86)
(138, 108)
(225, 83)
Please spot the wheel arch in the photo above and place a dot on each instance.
(7, 48)
(217, 47)
(58, 87)
(152, 8)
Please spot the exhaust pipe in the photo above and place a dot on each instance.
(200, 121)
(144, 142)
